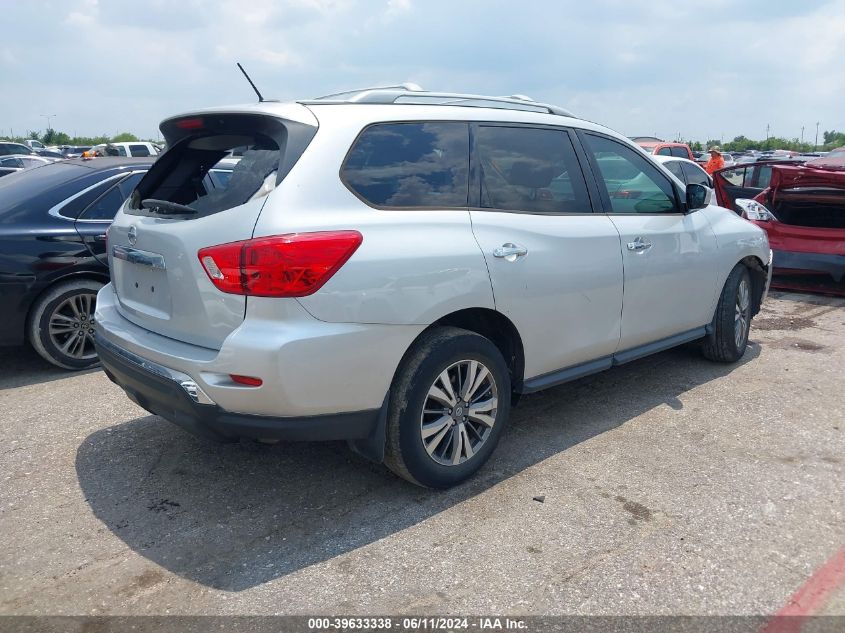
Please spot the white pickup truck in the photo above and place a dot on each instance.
(136, 148)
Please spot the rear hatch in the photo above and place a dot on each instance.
(179, 208)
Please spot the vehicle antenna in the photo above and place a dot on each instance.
(260, 98)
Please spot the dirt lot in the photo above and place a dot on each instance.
(672, 485)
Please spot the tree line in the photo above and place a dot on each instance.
(54, 137)
(832, 140)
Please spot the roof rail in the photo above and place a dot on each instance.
(412, 94)
(350, 95)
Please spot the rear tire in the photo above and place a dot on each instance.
(61, 324)
(732, 321)
(449, 403)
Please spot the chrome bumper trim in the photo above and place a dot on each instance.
(183, 380)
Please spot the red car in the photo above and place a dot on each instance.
(801, 208)
(658, 147)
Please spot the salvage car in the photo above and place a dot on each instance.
(801, 208)
(400, 277)
(53, 222)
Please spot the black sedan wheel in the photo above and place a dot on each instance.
(61, 324)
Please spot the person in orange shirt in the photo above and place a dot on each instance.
(716, 161)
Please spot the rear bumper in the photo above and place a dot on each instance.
(176, 397)
(309, 368)
(832, 264)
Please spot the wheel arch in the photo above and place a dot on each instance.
(499, 329)
(759, 274)
(486, 322)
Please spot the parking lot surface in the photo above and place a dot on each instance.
(669, 486)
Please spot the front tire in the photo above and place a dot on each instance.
(449, 403)
(732, 321)
(61, 324)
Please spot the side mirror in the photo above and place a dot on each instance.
(696, 197)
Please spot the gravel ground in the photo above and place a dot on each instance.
(671, 486)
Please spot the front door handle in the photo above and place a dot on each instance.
(509, 251)
(639, 244)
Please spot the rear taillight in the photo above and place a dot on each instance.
(293, 265)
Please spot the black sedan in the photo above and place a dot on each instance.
(53, 222)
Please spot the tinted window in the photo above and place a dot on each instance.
(74, 207)
(530, 169)
(664, 151)
(675, 167)
(633, 185)
(139, 150)
(695, 175)
(107, 204)
(763, 176)
(11, 162)
(680, 152)
(410, 165)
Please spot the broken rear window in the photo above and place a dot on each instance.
(179, 183)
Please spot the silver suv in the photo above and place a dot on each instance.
(395, 267)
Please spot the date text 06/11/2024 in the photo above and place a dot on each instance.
(416, 624)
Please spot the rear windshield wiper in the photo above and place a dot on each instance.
(165, 207)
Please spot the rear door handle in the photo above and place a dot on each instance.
(509, 251)
(639, 244)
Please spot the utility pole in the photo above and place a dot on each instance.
(802, 135)
(816, 144)
(48, 117)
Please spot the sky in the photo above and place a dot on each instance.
(698, 69)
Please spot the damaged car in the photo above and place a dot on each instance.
(802, 209)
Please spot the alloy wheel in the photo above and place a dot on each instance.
(71, 327)
(742, 317)
(459, 412)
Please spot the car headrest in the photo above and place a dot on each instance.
(525, 173)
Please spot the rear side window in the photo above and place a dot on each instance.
(530, 169)
(196, 145)
(632, 183)
(664, 151)
(763, 176)
(410, 165)
(675, 167)
(695, 175)
(104, 208)
(139, 150)
(680, 152)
